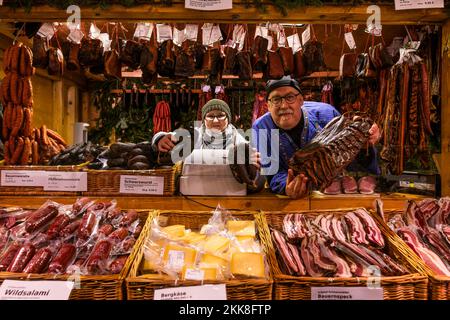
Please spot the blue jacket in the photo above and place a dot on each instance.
(275, 166)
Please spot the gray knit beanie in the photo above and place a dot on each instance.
(216, 104)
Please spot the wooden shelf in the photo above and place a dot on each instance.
(240, 13)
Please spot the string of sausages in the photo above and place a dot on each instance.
(161, 118)
(23, 144)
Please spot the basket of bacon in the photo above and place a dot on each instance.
(424, 227)
(193, 248)
(90, 243)
(322, 254)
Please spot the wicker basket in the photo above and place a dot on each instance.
(95, 287)
(38, 191)
(142, 287)
(439, 286)
(107, 182)
(286, 287)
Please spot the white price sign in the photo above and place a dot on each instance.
(346, 293)
(206, 292)
(65, 181)
(22, 178)
(35, 290)
(418, 4)
(208, 5)
(141, 184)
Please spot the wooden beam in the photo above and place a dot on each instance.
(240, 13)
(445, 110)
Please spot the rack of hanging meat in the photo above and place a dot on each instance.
(425, 227)
(312, 250)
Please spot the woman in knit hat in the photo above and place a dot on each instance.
(215, 132)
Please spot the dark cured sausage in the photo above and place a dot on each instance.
(62, 259)
(40, 217)
(23, 256)
(59, 224)
(8, 256)
(87, 225)
(117, 265)
(70, 229)
(97, 260)
(39, 261)
(129, 218)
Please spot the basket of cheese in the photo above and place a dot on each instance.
(191, 248)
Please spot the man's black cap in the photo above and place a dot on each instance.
(286, 81)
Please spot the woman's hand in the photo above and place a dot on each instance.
(166, 143)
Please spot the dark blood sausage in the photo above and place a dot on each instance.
(40, 217)
(117, 265)
(62, 259)
(70, 229)
(129, 218)
(119, 234)
(105, 229)
(57, 225)
(97, 261)
(23, 256)
(8, 256)
(87, 225)
(39, 261)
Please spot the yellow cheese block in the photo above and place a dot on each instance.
(176, 257)
(248, 264)
(209, 260)
(193, 237)
(241, 227)
(200, 274)
(216, 244)
(175, 231)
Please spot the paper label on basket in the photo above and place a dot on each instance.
(346, 293)
(65, 181)
(35, 290)
(206, 292)
(141, 184)
(176, 260)
(194, 274)
(418, 4)
(22, 178)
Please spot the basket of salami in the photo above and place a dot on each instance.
(192, 248)
(424, 227)
(130, 169)
(31, 180)
(90, 243)
(320, 254)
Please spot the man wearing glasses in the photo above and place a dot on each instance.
(295, 122)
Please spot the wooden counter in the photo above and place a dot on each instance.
(264, 201)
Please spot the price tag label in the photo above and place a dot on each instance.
(208, 5)
(194, 274)
(306, 35)
(94, 31)
(35, 290)
(350, 40)
(75, 36)
(261, 31)
(206, 292)
(143, 30)
(294, 42)
(418, 4)
(191, 32)
(65, 181)
(21, 178)
(163, 32)
(46, 30)
(176, 260)
(141, 184)
(346, 293)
